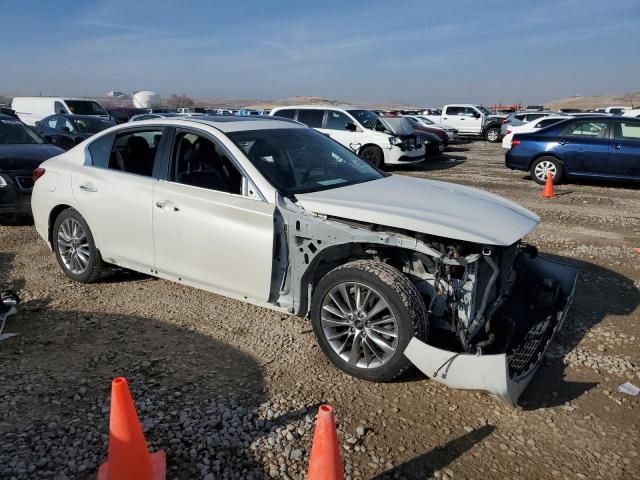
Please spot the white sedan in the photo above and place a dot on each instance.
(391, 270)
(531, 126)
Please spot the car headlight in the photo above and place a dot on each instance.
(395, 141)
(3, 182)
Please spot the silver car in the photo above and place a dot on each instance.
(516, 119)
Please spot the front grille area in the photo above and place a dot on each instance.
(24, 183)
(408, 142)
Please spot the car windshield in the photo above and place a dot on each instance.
(366, 118)
(484, 110)
(300, 160)
(397, 125)
(91, 125)
(14, 132)
(85, 107)
(425, 120)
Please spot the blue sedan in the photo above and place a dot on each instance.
(582, 147)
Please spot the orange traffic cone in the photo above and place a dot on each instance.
(325, 463)
(128, 458)
(548, 192)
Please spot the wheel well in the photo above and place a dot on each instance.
(371, 145)
(491, 125)
(57, 210)
(547, 154)
(334, 256)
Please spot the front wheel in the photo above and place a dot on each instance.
(492, 134)
(544, 166)
(364, 313)
(75, 247)
(373, 155)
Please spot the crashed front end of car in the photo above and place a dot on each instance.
(492, 315)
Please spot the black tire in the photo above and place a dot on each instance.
(551, 163)
(95, 265)
(492, 134)
(372, 155)
(403, 299)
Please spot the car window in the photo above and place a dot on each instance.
(288, 113)
(51, 122)
(534, 116)
(627, 130)
(64, 123)
(546, 122)
(199, 161)
(59, 108)
(134, 152)
(311, 118)
(454, 110)
(586, 129)
(302, 160)
(337, 120)
(520, 116)
(14, 132)
(366, 118)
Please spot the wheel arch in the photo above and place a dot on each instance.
(53, 215)
(547, 154)
(372, 145)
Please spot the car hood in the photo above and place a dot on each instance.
(26, 157)
(427, 206)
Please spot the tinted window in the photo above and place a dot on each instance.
(302, 160)
(547, 122)
(85, 107)
(100, 150)
(200, 162)
(14, 132)
(627, 130)
(337, 120)
(366, 118)
(59, 108)
(288, 113)
(91, 125)
(134, 152)
(311, 118)
(534, 116)
(586, 129)
(520, 116)
(454, 110)
(51, 122)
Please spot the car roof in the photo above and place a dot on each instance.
(318, 107)
(230, 123)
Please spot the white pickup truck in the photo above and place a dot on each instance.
(470, 120)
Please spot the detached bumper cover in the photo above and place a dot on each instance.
(504, 375)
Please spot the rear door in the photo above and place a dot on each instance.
(624, 151)
(335, 126)
(115, 193)
(584, 147)
(207, 232)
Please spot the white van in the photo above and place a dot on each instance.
(33, 109)
(360, 130)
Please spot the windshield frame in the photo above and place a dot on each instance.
(239, 137)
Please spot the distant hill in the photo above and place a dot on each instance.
(599, 101)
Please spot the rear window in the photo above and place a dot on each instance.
(311, 118)
(14, 132)
(288, 113)
(586, 129)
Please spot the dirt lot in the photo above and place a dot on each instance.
(229, 390)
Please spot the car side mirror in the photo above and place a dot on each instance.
(351, 127)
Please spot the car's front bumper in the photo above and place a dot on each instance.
(15, 196)
(395, 155)
(504, 375)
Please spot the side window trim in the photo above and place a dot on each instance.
(169, 147)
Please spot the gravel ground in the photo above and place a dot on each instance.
(229, 390)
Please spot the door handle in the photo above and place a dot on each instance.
(88, 187)
(617, 146)
(166, 204)
(563, 142)
(445, 118)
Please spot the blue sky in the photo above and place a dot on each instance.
(420, 52)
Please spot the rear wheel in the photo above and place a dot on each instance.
(544, 166)
(364, 314)
(373, 155)
(75, 248)
(492, 134)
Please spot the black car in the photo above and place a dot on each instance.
(21, 151)
(433, 144)
(66, 131)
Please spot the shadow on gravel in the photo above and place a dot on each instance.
(599, 292)
(424, 465)
(602, 183)
(197, 397)
(13, 221)
(441, 162)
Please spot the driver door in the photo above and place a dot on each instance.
(206, 232)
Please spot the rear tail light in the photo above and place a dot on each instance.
(37, 173)
(515, 142)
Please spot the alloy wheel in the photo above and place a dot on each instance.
(73, 246)
(359, 325)
(543, 168)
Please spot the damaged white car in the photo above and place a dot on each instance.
(391, 270)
